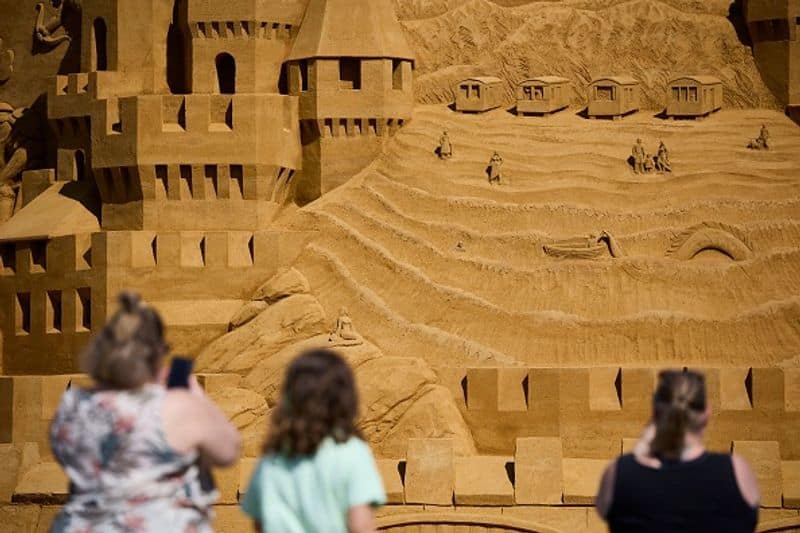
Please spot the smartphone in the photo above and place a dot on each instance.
(179, 373)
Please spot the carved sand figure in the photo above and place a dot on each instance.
(649, 163)
(662, 159)
(639, 156)
(344, 334)
(6, 63)
(762, 141)
(495, 169)
(445, 147)
(21, 148)
(592, 246)
(44, 31)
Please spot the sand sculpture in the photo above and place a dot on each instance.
(283, 193)
(6, 63)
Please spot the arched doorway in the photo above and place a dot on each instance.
(100, 49)
(226, 73)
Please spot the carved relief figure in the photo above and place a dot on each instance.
(44, 31)
(495, 169)
(344, 334)
(639, 156)
(662, 159)
(445, 150)
(21, 147)
(6, 63)
(762, 141)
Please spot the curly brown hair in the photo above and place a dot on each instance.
(318, 400)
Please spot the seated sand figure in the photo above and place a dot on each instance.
(591, 247)
(639, 155)
(445, 150)
(662, 159)
(495, 169)
(344, 334)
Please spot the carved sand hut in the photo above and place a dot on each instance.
(479, 94)
(613, 97)
(694, 96)
(543, 95)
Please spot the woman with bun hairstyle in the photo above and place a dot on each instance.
(671, 483)
(133, 449)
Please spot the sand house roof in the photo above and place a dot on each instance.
(350, 28)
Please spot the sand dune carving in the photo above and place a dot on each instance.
(710, 236)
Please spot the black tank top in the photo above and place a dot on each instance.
(680, 497)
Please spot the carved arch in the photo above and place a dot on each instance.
(429, 522)
(711, 236)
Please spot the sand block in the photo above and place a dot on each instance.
(483, 480)
(764, 458)
(791, 377)
(603, 389)
(735, 389)
(231, 518)
(217, 382)
(392, 480)
(628, 444)
(45, 482)
(544, 389)
(19, 518)
(511, 389)
(637, 386)
(247, 468)
(15, 460)
(482, 389)
(227, 481)
(582, 479)
(430, 471)
(790, 474)
(538, 471)
(768, 389)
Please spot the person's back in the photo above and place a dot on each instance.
(314, 493)
(317, 474)
(132, 448)
(123, 472)
(670, 483)
(700, 496)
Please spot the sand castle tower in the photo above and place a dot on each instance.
(170, 146)
(773, 26)
(352, 69)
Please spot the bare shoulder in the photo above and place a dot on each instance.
(746, 480)
(605, 494)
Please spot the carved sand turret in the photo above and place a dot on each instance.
(352, 70)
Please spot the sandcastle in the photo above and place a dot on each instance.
(266, 175)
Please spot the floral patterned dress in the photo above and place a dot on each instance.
(124, 476)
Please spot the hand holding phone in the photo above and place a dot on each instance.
(179, 373)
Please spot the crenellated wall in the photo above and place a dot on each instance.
(502, 404)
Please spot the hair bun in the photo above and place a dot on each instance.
(129, 301)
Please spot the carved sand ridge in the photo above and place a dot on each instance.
(394, 230)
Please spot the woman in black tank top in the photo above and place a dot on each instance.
(670, 483)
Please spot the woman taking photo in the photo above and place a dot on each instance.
(670, 483)
(131, 448)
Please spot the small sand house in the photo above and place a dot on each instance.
(613, 96)
(694, 96)
(479, 94)
(543, 95)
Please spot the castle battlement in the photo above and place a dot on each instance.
(73, 95)
(504, 403)
(242, 29)
(255, 129)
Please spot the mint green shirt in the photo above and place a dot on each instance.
(313, 494)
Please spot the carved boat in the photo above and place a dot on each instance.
(575, 250)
